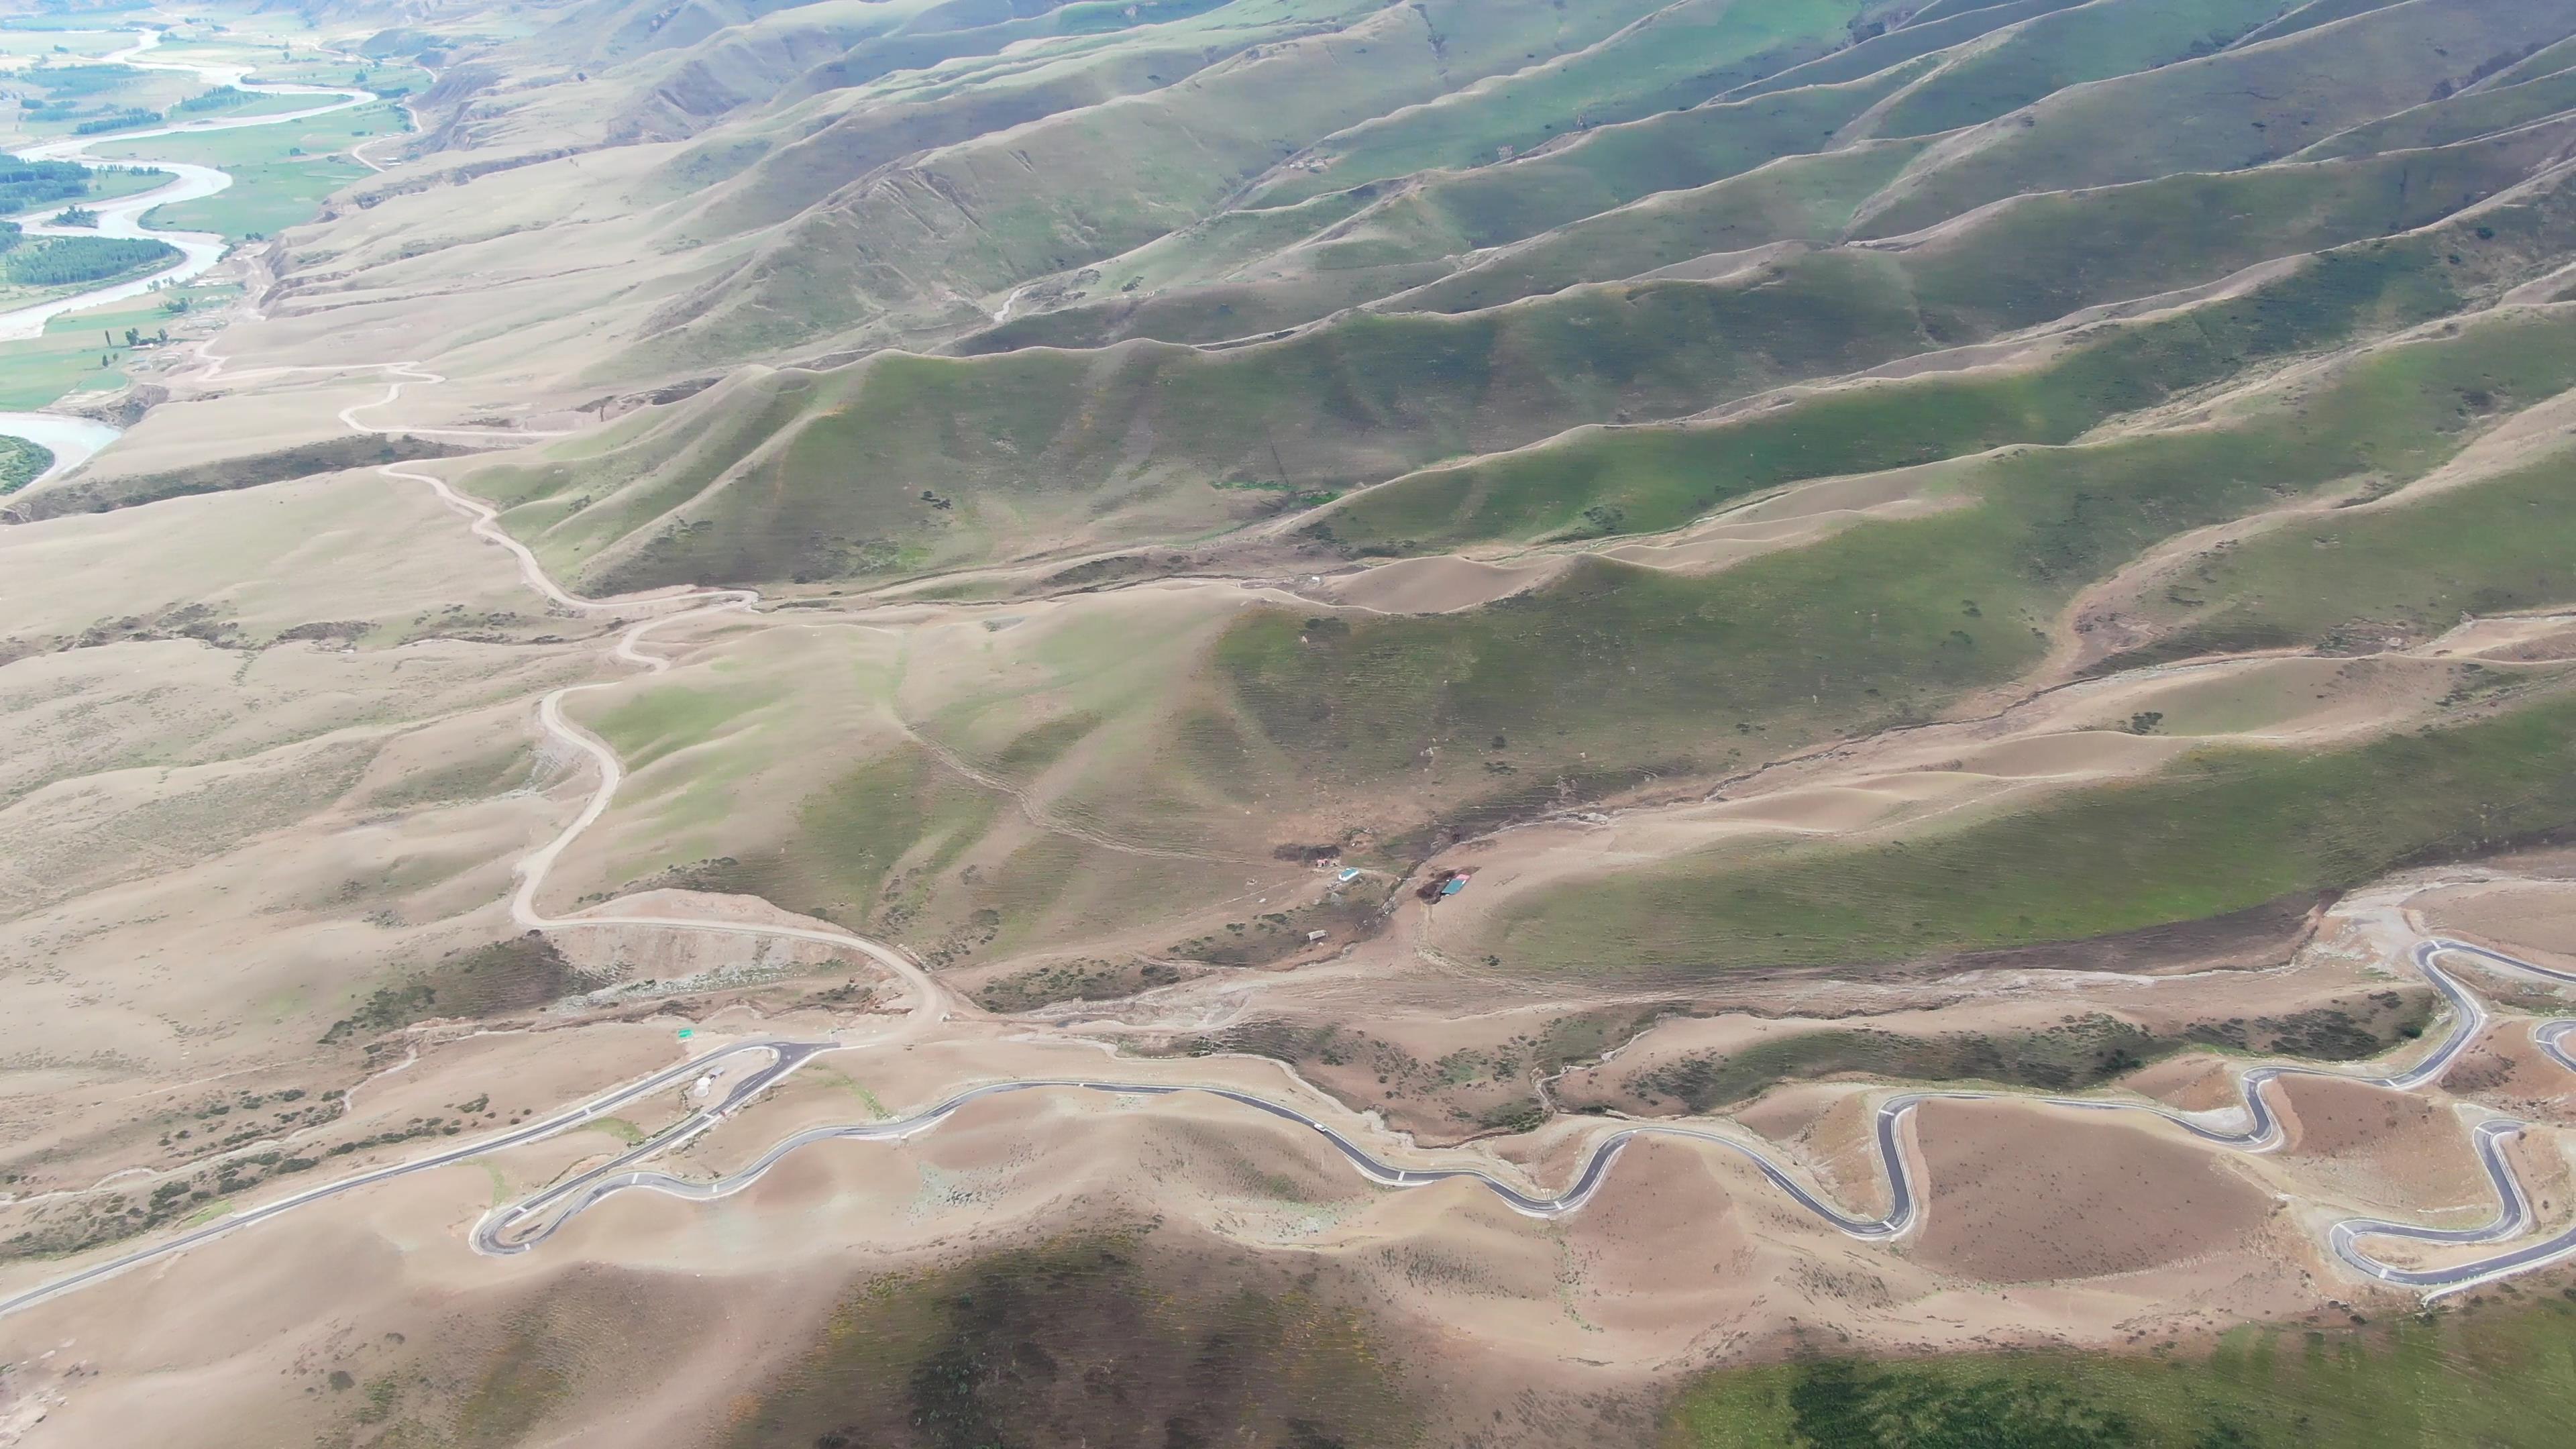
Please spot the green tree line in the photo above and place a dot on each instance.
(54, 261)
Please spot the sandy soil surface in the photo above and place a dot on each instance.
(2192, 1083)
(1436, 585)
(2393, 1153)
(1796, 516)
(2025, 1194)
(1578, 1308)
(418, 778)
(2509, 1072)
(1951, 774)
(2539, 914)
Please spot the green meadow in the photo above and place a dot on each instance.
(2501, 1375)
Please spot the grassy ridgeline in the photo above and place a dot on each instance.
(2222, 831)
(1655, 478)
(1432, 216)
(1882, 623)
(1322, 413)
(1313, 412)
(2068, 1056)
(1680, 57)
(1080, 188)
(2244, 107)
(2496, 1375)
(2409, 569)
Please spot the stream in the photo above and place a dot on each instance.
(74, 439)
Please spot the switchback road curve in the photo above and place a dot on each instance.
(779, 1058)
(521, 1226)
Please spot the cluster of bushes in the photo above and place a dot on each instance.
(84, 1223)
(511, 975)
(1083, 980)
(2075, 1054)
(417, 1127)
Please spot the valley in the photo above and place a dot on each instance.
(1670, 723)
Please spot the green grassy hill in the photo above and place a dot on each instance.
(1005, 453)
(1827, 508)
(981, 216)
(2430, 1381)
(2236, 108)
(1003, 302)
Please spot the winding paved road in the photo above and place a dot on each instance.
(75, 440)
(782, 1059)
(521, 1226)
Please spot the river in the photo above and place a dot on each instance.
(73, 439)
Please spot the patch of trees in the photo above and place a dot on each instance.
(33, 183)
(56, 261)
(117, 121)
(21, 460)
(60, 81)
(221, 98)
